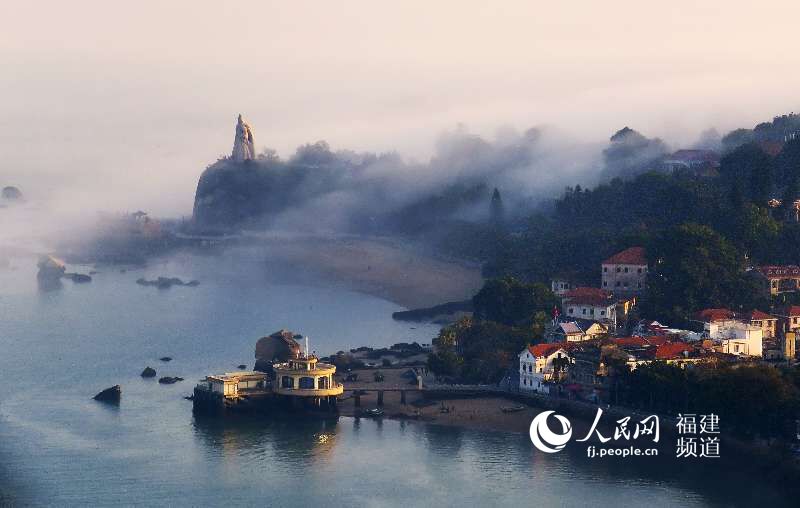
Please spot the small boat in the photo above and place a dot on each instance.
(512, 409)
(372, 413)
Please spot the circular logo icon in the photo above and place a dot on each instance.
(545, 439)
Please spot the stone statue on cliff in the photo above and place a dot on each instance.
(243, 149)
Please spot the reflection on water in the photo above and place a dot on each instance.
(60, 447)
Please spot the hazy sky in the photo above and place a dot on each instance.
(135, 98)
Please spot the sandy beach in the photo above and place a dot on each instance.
(385, 268)
(484, 413)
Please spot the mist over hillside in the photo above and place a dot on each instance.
(322, 189)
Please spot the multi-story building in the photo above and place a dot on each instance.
(625, 272)
(767, 323)
(561, 286)
(540, 365)
(779, 279)
(591, 303)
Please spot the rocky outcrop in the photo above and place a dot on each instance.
(449, 311)
(11, 194)
(168, 380)
(112, 394)
(243, 148)
(166, 282)
(148, 372)
(50, 268)
(278, 347)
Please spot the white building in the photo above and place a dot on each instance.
(591, 303)
(536, 367)
(737, 338)
(561, 287)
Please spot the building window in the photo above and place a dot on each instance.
(287, 382)
(605, 269)
(617, 284)
(619, 269)
(639, 285)
(583, 311)
(625, 283)
(602, 313)
(640, 270)
(571, 311)
(605, 283)
(626, 269)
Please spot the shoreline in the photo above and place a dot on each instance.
(409, 277)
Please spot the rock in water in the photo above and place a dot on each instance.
(109, 394)
(243, 149)
(166, 359)
(149, 372)
(242, 367)
(168, 380)
(281, 346)
(79, 278)
(50, 268)
(11, 193)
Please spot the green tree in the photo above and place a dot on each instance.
(694, 267)
(511, 302)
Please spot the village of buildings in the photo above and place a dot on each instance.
(589, 325)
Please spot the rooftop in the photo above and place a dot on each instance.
(238, 375)
(757, 315)
(779, 270)
(713, 315)
(630, 256)
(541, 350)
(672, 350)
(589, 296)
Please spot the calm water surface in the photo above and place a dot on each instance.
(59, 447)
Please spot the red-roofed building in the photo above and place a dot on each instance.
(790, 315)
(591, 303)
(715, 315)
(673, 351)
(625, 272)
(542, 364)
(779, 279)
(767, 322)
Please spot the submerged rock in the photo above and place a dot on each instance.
(242, 367)
(109, 394)
(148, 372)
(11, 193)
(166, 358)
(166, 282)
(168, 380)
(79, 278)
